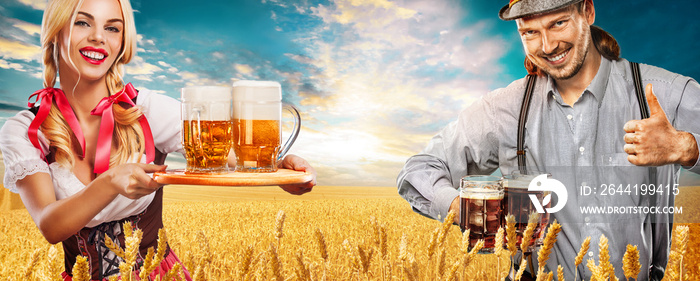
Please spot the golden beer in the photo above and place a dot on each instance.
(256, 144)
(207, 145)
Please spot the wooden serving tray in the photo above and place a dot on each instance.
(281, 177)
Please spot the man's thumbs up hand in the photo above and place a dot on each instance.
(654, 141)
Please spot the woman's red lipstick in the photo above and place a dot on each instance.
(93, 55)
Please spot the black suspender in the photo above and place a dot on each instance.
(525, 108)
(641, 98)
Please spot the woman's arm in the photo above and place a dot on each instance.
(59, 219)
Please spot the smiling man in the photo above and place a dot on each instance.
(585, 122)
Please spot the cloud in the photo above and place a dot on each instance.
(10, 65)
(36, 4)
(391, 75)
(16, 50)
(29, 28)
(243, 68)
(140, 68)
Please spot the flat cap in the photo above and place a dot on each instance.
(523, 8)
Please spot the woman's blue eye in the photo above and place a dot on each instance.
(82, 23)
(112, 29)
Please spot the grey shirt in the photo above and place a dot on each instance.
(580, 146)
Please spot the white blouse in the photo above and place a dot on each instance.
(23, 159)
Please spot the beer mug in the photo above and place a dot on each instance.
(518, 203)
(206, 128)
(257, 125)
(480, 209)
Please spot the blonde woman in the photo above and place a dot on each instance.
(80, 158)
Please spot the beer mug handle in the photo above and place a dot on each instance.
(295, 132)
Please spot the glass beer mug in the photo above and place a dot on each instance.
(257, 125)
(480, 209)
(206, 128)
(518, 203)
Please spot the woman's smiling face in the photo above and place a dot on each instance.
(95, 42)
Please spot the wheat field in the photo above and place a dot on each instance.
(370, 234)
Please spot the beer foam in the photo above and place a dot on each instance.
(257, 100)
(258, 91)
(206, 103)
(481, 194)
(512, 183)
(206, 93)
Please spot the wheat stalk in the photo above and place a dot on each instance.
(474, 251)
(411, 270)
(114, 247)
(128, 229)
(364, 257)
(440, 265)
(579, 257)
(321, 242)
(596, 271)
(446, 225)
(512, 235)
(55, 264)
(606, 267)
(147, 263)
(28, 270)
(498, 245)
(302, 269)
(464, 247)
(548, 244)
(560, 273)
(81, 269)
(162, 246)
(279, 226)
(541, 276)
(383, 244)
(275, 263)
(205, 251)
(452, 273)
(174, 271)
(674, 268)
(532, 221)
(630, 262)
(433, 243)
(245, 261)
(521, 270)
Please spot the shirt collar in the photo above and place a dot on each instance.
(596, 87)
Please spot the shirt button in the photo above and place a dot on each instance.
(581, 149)
(590, 254)
(569, 116)
(587, 219)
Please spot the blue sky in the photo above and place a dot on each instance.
(374, 79)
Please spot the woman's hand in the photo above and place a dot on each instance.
(297, 163)
(132, 180)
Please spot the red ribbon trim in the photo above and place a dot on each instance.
(46, 96)
(104, 139)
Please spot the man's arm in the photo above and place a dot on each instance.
(429, 180)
